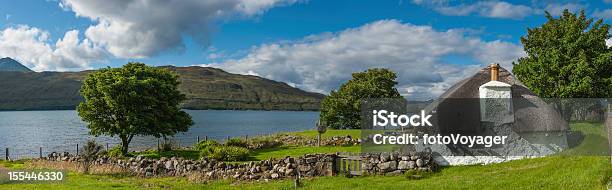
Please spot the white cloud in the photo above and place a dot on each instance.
(142, 28)
(492, 9)
(604, 14)
(609, 42)
(417, 53)
(556, 9)
(32, 47)
(498, 9)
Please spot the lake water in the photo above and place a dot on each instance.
(24, 132)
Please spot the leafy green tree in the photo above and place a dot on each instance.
(133, 100)
(341, 109)
(567, 57)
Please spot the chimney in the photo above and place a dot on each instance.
(495, 72)
(496, 100)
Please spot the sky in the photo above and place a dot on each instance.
(314, 45)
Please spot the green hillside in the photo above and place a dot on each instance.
(206, 88)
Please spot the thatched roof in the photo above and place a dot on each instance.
(458, 108)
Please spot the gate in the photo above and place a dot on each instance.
(348, 164)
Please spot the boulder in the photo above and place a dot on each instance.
(387, 166)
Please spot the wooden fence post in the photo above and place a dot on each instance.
(6, 154)
(206, 138)
(40, 152)
(77, 149)
(198, 139)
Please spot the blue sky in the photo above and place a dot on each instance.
(314, 45)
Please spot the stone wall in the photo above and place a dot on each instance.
(396, 163)
(332, 141)
(310, 165)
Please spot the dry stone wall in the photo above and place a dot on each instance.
(310, 165)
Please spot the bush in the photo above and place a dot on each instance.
(205, 144)
(115, 152)
(264, 142)
(237, 142)
(226, 153)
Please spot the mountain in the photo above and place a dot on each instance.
(8, 64)
(205, 88)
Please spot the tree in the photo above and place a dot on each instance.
(89, 154)
(133, 100)
(341, 109)
(567, 58)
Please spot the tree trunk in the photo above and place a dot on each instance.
(125, 142)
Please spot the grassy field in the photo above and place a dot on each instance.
(558, 172)
(554, 172)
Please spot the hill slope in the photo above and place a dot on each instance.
(8, 64)
(206, 88)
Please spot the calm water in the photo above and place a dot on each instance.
(25, 131)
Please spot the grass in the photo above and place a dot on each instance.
(281, 152)
(557, 172)
(554, 172)
(355, 133)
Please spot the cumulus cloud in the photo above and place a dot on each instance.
(32, 47)
(417, 53)
(142, 28)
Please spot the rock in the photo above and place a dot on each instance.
(405, 158)
(420, 162)
(304, 168)
(169, 165)
(274, 176)
(388, 166)
(414, 158)
(384, 157)
(289, 160)
(311, 160)
(289, 172)
(403, 165)
(412, 164)
(139, 158)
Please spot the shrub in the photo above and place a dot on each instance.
(226, 153)
(264, 142)
(237, 142)
(205, 144)
(90, 152)
(115, 152)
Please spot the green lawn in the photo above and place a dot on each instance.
(554, 172)
(281, 152)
